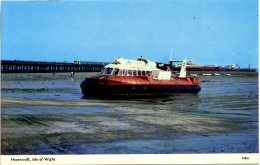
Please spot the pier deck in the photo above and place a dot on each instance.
(10, 66)
(15, 66)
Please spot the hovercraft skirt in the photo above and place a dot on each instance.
(126, 90)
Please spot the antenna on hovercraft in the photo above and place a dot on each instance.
(170, 60)
(171, 55)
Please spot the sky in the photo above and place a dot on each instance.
(203, 31)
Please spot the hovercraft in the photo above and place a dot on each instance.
(138, 78)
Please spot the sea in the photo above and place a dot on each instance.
(46, 113)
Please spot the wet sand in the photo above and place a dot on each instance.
(213, 121)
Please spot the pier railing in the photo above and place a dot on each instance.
(10, 66)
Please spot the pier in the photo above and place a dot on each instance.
(15, 66)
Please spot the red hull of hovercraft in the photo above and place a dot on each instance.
(137, 86)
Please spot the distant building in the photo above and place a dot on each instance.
(200, 67)
(232, 67)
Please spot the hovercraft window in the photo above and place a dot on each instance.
(139, 73)
(115, 71)
(129, 73)
(107, 71)
(134, 73)
(124, 72)
(147, 73)
(143, 73)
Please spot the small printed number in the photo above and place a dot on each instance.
(245, 158)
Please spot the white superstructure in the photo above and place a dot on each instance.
(130, 64)
(139, 67)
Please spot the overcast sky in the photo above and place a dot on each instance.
(204, 31)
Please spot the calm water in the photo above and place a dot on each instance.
(46, 114)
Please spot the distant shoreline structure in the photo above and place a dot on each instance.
(17, 66)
